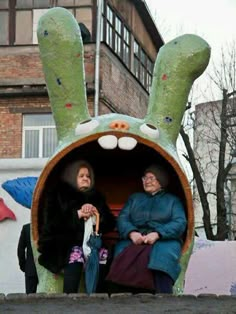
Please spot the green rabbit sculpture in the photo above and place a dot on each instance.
(122, 146)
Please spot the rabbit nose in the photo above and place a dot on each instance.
(119, 125)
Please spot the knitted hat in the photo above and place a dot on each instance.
(70, 172)
(160, 174)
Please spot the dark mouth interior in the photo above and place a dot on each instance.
(118, 172)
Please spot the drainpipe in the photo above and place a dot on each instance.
(97, 57)
(228, 199)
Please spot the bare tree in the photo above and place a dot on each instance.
(210, 156)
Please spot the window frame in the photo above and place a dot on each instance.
(40, 129)
(36, 5)
(115, 33)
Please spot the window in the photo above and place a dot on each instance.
(4, 4)
(118, 37)
(4, 24)
(4, 30)
(116, 34)
(126, 51)
(149, 72)
(36, 16)
(29, 4)
(39, 135)
(143, 66)
(109, 27)
(23, 33)
(19, 18)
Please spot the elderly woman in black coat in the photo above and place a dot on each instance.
(71, 202)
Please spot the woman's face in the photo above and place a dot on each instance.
(150, 183)
(83, 179)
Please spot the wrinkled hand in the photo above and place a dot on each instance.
(151, 238)
(136, 237)
(86, 211)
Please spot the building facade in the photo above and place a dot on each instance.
(128, 48)
(119, 73)
(208, 142)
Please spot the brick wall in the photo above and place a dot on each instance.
(10, 134)
(11, 115)
(21, 70)
(20, 65)
(120, 88)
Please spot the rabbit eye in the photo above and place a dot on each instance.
(86, 126)
(149, 130)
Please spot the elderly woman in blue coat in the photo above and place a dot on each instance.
(155, 218)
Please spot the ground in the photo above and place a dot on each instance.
(117, 303)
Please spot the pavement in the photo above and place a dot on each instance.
(116, 303)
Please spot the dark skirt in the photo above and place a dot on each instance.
(129, 268)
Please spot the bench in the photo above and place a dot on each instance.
(112, 237)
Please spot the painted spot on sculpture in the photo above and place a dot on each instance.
(168, 119)
(69, 106)
(164, 77)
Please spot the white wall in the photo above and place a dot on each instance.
(211, 268)
(11, 277)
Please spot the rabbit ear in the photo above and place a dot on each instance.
(178, 64)
(62, 55)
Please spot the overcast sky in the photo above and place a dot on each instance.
(213, 20)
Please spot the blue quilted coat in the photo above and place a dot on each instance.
(162, 212)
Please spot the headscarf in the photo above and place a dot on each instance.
(70, 173)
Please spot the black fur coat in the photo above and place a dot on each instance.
(62, 229)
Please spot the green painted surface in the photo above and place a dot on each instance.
(178, 64)
(62, 54)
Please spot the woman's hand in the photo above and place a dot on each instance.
(151, 238)
(86, 211)
(136, 237)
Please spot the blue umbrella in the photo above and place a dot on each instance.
(92, 263)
